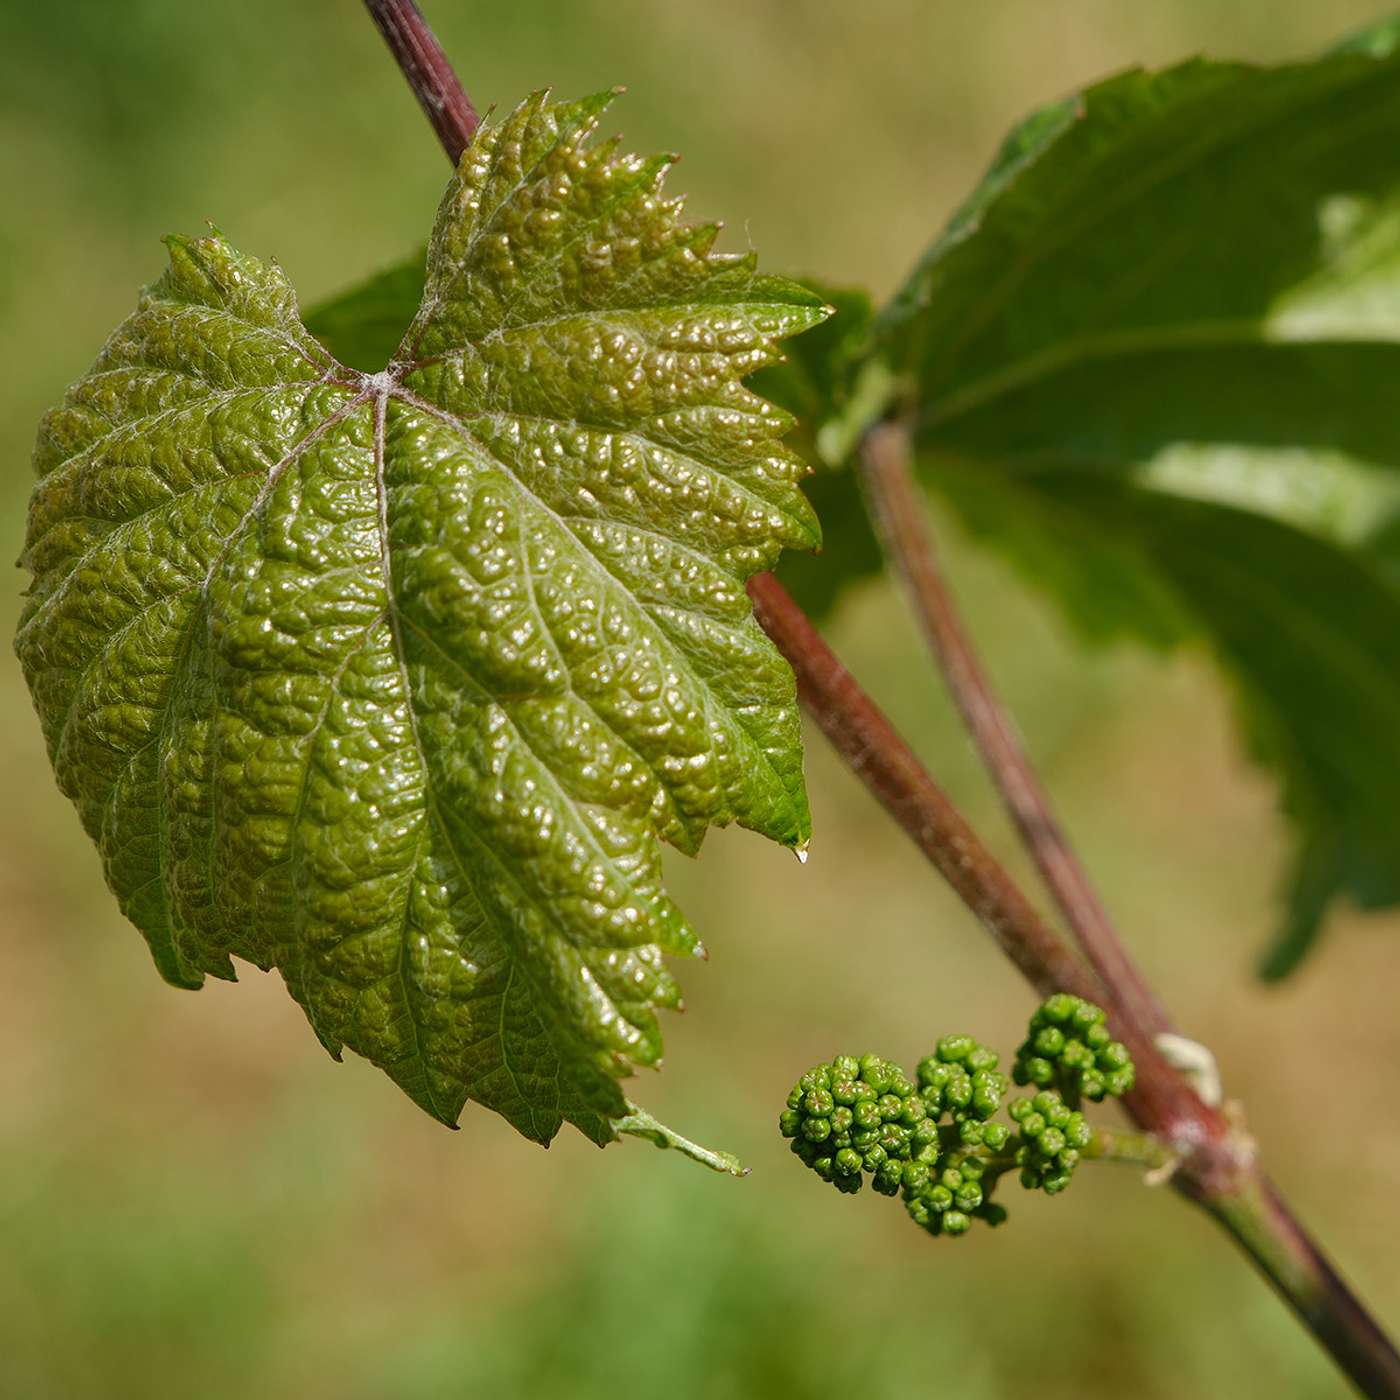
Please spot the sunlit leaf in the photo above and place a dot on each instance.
(395, 681)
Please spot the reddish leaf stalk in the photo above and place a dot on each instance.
(1217, 1167)
(429, 74)
(897, 509)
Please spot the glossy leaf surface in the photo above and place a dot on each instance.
(396, 681)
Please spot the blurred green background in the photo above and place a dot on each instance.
(195, 1201)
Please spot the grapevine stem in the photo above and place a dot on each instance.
(898, 514)
(1259, 1220)
(429, 73)
(1216, 1169)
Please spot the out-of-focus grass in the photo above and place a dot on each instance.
(193, 1200)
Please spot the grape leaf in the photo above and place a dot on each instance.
(363, 325)
(395, 681)
(812, 382)
(1151, 359)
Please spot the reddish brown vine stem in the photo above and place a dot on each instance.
(429, 74)
(897, 510)
(1217, 1167)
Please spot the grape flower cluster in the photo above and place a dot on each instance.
(1068, 1047)
(856, 1116)
(935, 1140)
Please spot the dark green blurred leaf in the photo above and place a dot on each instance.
(813, 378)
(1153, 359)
(363, 326)
(850, 553)
(813, 385)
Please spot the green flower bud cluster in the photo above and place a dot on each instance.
(934, 1140)
(856, 1116)
(960, 1079)
(948, 1200)
(1051, 1140)
(959, 1083)
(1068, 1047)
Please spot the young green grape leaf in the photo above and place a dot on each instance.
(1151, 359)
(363, 325)
(395, 681)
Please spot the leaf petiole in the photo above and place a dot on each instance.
(639, 1123)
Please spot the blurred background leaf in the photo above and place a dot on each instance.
(363, 325)
(812, 386)
(192, 1198)
(1152, 360)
